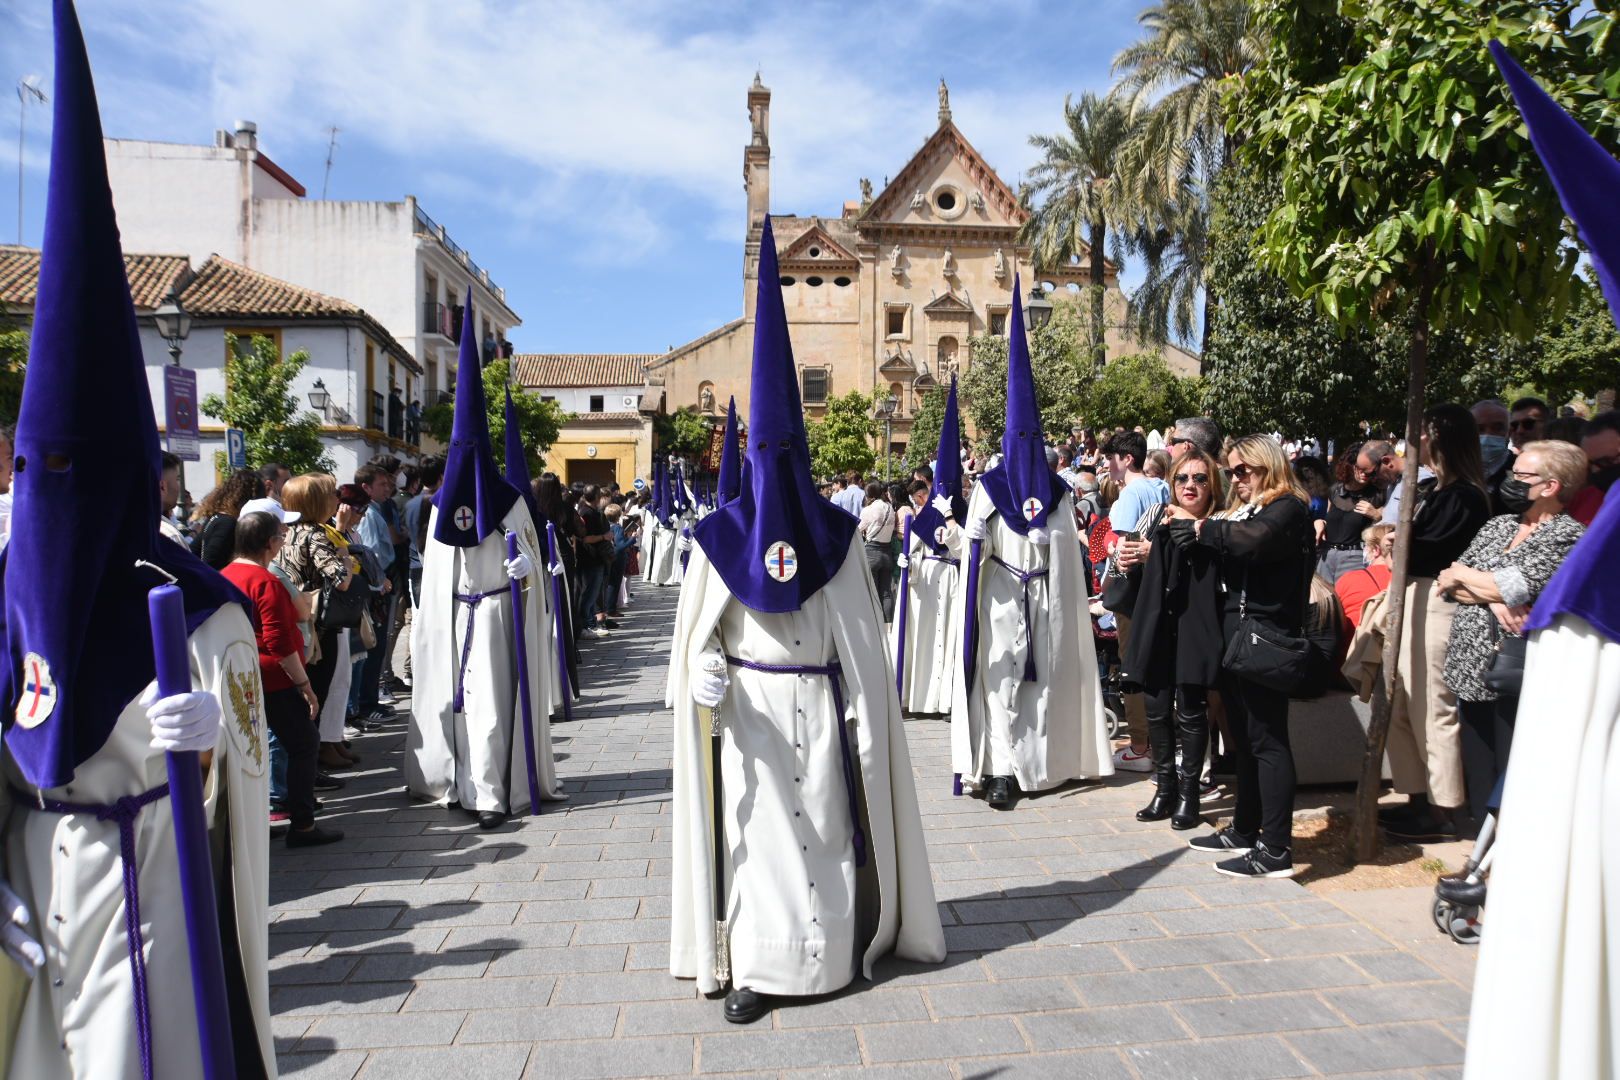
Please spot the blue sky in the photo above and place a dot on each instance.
(588, 154)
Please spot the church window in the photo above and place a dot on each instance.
(896, 318)
(946, 200)
(815, 253)
(596, 403)
(816, 385)
(813, 282)
(841, 282)
(998, 324)
(788, 279)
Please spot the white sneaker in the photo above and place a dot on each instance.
(595, 632)
(1128, 760)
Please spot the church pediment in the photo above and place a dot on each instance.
(815, 248)
(897, 364)
(948, 305)
(947, 182)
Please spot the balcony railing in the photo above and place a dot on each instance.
(435, 318)
(379, 411)
(426, 226)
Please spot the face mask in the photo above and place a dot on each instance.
(1515, 495)
(399, 481)
(1494, 449)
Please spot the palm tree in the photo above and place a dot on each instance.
(1173, 240)
(1175, 82)
(1080, 193)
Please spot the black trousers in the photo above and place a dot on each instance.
(1191, 703)
(881, 563)
(1257, 717)
(320, 673)
(1487, 736)
(288, 717)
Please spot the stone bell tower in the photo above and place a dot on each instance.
(756, 183)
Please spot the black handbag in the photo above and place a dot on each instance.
(1120, 588)
(1505, 675)
(1270, 656)
(341, 609)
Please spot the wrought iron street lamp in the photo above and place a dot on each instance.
(1037, 309)
(319, 399)
(884, 409)
(173, 324)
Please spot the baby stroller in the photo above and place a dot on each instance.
(1458, 900)
(1107, 639)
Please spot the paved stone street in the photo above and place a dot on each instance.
(1082, 943)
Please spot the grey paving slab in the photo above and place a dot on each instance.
(1084, 944)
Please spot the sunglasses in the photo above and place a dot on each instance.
(1178, 441)
(1239, 472)
(1522, 425)
(1201, 479)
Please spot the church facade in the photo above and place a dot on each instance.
(884, 295)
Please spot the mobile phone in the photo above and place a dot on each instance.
(1132, 536)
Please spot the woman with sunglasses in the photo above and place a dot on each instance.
(1266, 547)
(1175, 647)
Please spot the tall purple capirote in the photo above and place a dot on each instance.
(1023, 487)
(729, 482)
(516, 468)
(475, 496)
(85, 498)
(1588, 181)
(778, 542)
(663, 503)
(947, 479)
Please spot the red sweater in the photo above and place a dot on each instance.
(278, 621)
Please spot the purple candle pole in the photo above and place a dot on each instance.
(559, 612)
(172, 655)
(970, 632)
(522, 657)
(905, 609)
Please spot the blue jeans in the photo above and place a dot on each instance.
(590, 587)
(278, 771)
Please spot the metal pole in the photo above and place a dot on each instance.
(22, 120)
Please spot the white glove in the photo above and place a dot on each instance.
(1038, 535)
(709, 685)
(15, 941)
(557, 569)
(518, 566)
(183, 723)
(974, 529)
(942, 503)
(902, 562)
(686, 543)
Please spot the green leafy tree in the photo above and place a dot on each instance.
(1574, 357)
(13, 363)
(1141, 389)
(1079, 192)
(684, 432)
(259, 400)
(841, 441)
(1410, 194)
(1057, 359)
(925, 424)
(540, 421)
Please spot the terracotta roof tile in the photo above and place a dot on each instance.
(225, 289)
(150, 276)
(607, 418)
(546, 371)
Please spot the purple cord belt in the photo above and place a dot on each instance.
(1024, 578)
(832, 671)
(952, 559)
(472, 600)
(123, 812)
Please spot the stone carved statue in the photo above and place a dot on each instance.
(976, 200)
(950, 263)
(896, 256)
(944, 102)
(918, 200)
(706, 399)
(756, 116)
(1001, 264)
(866, 190)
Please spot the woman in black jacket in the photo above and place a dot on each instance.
(1267, 552)
(1176, 641)
(214, 537)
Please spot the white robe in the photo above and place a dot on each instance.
(933, 627)
(475, 757)
(802, 920)
(663, 559)
(68, 865)
(1051, 730)
(1547, 989)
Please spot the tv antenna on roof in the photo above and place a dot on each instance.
(331, 148)
(27, 87)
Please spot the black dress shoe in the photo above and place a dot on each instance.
(999, 793)
(744, 1006)
(490, 819)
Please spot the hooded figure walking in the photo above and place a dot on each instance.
(798, 846)
(465, 745)
(1027, 714)
(95, 914)
(663, 551)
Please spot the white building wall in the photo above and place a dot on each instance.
(578, 399)
(173, 199)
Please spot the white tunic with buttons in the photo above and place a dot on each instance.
(1049, 730)
(933, 632)
(475, 756)
(802, 919)
(78, 1015)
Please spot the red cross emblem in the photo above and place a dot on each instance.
(1032, 506)
(939, 535)
(781, 561)
(39, 692)
(463, 518)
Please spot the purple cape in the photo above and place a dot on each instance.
(778, 542)
(947, 478)
(1023, 488)
(85, 500)
(475, 496)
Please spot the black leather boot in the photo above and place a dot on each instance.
(1194, 732)
(999, 793)
(1162, 748)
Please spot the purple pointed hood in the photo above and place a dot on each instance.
(779, 541)
(729, 481)
(1587, 178)
(1023, 488)
(85, 501)
(947, 479)
(663, 506)
(475, 496)
(517, 461)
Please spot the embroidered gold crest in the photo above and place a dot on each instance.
(243, 691)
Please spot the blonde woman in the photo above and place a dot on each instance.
(1266, 551)
(312, 558)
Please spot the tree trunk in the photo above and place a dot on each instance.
(1099, 344)
(1364, 837)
